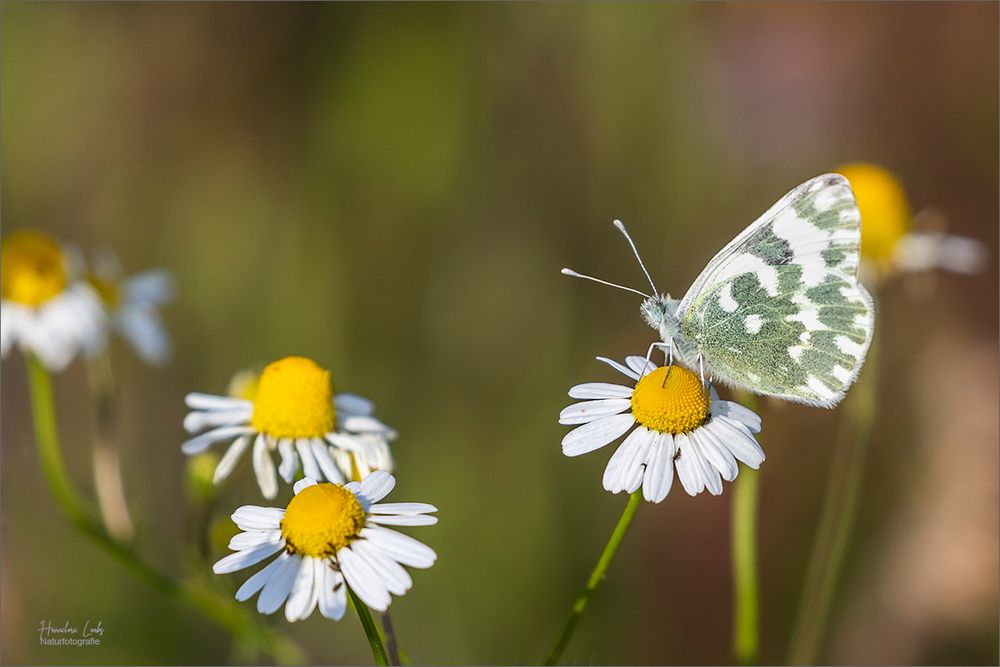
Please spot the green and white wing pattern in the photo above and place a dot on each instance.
(780, 311)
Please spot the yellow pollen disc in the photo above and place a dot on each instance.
(108, 290)
(678, 406)
(32, 268)
(885, 211)
(321, 519)
(294, 399)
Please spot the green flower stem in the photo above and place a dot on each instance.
(371, 630)
(213, 605)
(746, 603)
(391, 644)
(840, 506)
(596, 577)
(746, 596)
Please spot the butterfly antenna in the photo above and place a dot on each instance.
(574, 274)
(621, 227)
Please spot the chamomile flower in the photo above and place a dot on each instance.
(45, 308)
(294, 412)
(678, 423)
(889, 245)
(132, 303)
(330, 537)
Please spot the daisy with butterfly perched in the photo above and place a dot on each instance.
(778, 312)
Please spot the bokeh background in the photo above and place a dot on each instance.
(392, 189)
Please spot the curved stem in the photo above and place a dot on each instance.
(213, 605)
(596, 577)
(746, 603)
(106, 456)
(837, 520)
(371, 630)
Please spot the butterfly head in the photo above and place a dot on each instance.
(659, 311)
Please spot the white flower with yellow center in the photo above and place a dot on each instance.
(329, 535)
(132, 304)
(293, 411)
(889, 245)
(678, 423)
(45, 309)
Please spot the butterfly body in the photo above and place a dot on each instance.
(779, 311)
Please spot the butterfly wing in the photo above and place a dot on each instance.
(780, 311)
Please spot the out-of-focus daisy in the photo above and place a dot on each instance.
(678, 423)
(45, 308)
(329, 535)
(889, 244)
(132, 304)
(293, 411)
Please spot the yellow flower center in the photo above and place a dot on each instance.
(108, 290)
(885, 211)
(244, 385)
(32, 268)
(673, 402)
(321, 519)
(294, 399)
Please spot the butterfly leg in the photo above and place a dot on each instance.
(669, 353)
(701, 369)
(663, 346)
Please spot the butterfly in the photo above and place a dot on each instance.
(779, 311)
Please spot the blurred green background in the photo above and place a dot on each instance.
(392, 189)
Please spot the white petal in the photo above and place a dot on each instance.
(618, 367)
(362, 424)
(710, 475)
(640, 365)
(659, 474)
(254, 538)
(302, 600)
(155, 287)
(200, 443)
(303, 483)
(393, 520)
(278, 587)
(253, 517)
(391, 573)
(289, 460)
(197, 421)
(333, 594)
(600, 390)
(141, 325)
(363, 580)
(247, 557)
(596, 434)
(353, 404)
(401, 548)
(375, 487)
(737, 412)
(402, 508)
(321, 454)
(688, 470)
(309, 466)
(257, 581)
(627, 460)
(717, 454)
(230, 458)
(588, 411)
(197, 401)
(263, 468)
(735, 436)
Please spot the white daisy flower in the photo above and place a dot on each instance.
(678, 423)
(890, 245)
(328, 536)
(45, 309)
(132, 305)
(295, 413)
